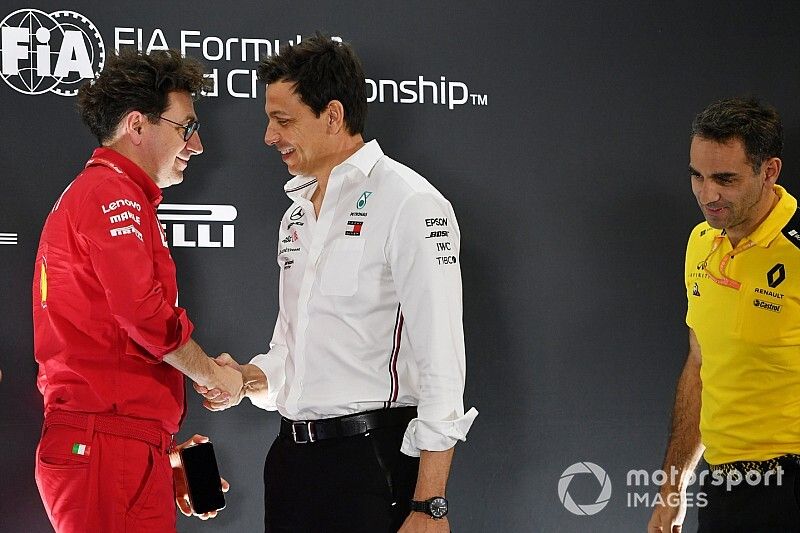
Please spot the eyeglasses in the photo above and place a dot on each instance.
(188, 129)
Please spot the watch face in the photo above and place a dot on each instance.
(438, 507)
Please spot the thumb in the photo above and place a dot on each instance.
(183, 505)
(199, 439)
(224, 359)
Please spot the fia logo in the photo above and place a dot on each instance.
(30, 39)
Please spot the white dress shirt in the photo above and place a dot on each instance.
(370, 302)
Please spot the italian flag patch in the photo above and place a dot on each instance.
(80, 449)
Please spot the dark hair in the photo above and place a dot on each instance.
(133, 81)
(322, 70)
(757, 125)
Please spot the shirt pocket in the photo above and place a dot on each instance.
(340, 275)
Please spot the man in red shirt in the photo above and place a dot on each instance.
(111, 342)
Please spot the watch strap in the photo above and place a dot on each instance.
(419, 506)
(425, 506)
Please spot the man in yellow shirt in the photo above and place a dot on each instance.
(738, 397)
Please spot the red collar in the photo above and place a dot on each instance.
(122, 165)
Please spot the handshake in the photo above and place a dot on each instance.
(230, 383)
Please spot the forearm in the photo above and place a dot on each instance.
(194, 363)
(685, 448)
(434, 469)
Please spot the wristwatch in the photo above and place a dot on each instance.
(435, 507)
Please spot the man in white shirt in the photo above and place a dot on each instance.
(366, 363)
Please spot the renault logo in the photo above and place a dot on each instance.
(776, 275)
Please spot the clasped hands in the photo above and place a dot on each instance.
(230, 391)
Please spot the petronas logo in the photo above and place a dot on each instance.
(362, 202)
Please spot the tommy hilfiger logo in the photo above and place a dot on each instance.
(356, 228)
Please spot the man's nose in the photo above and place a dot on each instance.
(270, 136)
(194, 144)
(708, 192)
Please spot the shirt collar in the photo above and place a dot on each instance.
(784, 210)
(363, 160)
(120, 164)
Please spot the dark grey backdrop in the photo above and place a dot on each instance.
(571, 191)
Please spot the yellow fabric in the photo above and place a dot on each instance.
(749, 338)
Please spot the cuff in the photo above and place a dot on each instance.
(272, 367)
(436, 435)
(153, 344)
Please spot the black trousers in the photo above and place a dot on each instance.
(352, 484)
(757, 507)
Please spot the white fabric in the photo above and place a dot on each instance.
(346, 291)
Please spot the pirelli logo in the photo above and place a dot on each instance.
(198, 225)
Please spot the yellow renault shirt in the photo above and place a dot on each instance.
(744, 307)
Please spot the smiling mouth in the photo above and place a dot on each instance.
(285, 151)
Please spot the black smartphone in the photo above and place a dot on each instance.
(202, 478)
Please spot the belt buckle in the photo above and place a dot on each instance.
(309, 427)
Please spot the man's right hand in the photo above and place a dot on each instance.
(227, 379)
(216, 398)
(255, 386)
(668, 515)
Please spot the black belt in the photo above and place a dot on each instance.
(789, 461)
(305, 431)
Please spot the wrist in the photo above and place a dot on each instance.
(253, 379)
(427, 494)
(436, 507)
(210, 374)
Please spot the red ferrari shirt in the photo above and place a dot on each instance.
(105, 298)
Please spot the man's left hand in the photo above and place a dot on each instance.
(420, 522)
(181, 490)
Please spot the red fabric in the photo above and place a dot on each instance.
(123, 485)
(105, 298)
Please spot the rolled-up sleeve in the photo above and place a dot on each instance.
(122, 258)
(423, 252)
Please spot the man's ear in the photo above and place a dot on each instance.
(335, 116)
(772, 169)
(132, 125)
